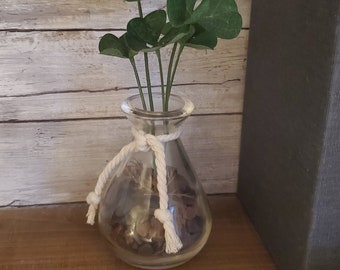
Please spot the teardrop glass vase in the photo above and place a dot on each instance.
(127, 209)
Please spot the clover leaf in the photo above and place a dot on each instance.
(156, 20)
(218, 16)
(111, 45)
(202, 39)
(176, 12)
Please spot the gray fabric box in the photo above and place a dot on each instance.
(289, 178)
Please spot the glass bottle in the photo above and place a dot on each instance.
(127, 209)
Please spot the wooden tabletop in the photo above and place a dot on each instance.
(56, 237)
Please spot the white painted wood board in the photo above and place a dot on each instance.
(45, 62)
(48, 162)
(60, 117)
(81, 14)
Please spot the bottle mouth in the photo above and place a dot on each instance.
(179, 107)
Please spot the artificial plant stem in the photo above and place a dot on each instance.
(148, 80)
(146, 61)
(140, 9)
(174, 70)
(141, 94)
(158, 53)
(168, 79)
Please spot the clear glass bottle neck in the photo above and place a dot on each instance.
(157, 122)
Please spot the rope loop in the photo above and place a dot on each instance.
(143, 142)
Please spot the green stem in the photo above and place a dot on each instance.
(146, 61)
(158, 53)
(148, 80)
(168, 80)
(140, 9)
(175, 69)
(133, 63)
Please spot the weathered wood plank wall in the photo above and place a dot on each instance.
(60, 119)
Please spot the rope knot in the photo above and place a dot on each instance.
(93, 199)
(172, 242)
(141, 140)
(163, 215)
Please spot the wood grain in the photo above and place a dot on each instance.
(57, 237)
(45, 62)
(47, 162)
(208, 99)
(80, 14)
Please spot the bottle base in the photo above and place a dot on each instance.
(157, 262)
(160, 267)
